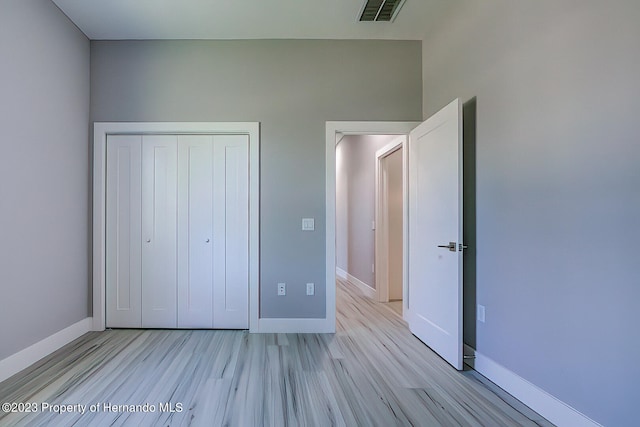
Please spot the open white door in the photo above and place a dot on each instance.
(434, 294)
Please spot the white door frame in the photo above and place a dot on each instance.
(347, 128)
(100, 132)
(381, 224)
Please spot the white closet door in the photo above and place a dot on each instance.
(195, 231)
(123, 232)
(231, 232)
(159, 206)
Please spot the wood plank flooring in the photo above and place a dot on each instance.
(372, 372)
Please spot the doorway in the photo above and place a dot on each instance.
(369, 214)
(398, 128)
(334, 131)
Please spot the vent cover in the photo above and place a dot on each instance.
(380, 10)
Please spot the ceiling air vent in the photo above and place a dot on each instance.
(380, 10)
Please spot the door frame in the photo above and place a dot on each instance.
(100, 132)
(381, 244)
(347, 128)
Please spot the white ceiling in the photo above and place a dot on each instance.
(247, 19)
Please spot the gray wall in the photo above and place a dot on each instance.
(292, 87)
(558, 189)
(44, 117)
(355, 204)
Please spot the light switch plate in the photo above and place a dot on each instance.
(311, 289)
(308, 224)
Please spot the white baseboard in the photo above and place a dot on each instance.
(341, 273)
(30, 355)
(553, 409)
(368, 290)
(293, 326)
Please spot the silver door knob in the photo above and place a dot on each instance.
(148, 240)
(208, 240)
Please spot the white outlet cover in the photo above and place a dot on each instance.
(282, 289)
(308, 224)
(311, 289)
(481, 313)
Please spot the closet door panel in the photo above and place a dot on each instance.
(159, 206)
(231, 232)
(195, 231)
(123, 232)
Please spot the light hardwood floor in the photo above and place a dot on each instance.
(372, 372)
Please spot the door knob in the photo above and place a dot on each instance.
(451, 246)
(207, 240)
(148, 240)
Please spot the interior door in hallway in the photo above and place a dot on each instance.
(394, 195)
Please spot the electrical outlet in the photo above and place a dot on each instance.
(282, 289)
(308, 224)
(481, 312)
(311, 289)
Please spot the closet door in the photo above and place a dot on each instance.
(123, 232)
(231, 232)
(178, 231)
(159, 205)
(195, 231)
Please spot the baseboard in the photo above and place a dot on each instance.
(551, 408)
(341, 273)
(293, 326)
(30, 355)
(366, 289)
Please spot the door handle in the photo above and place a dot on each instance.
(451, 246)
